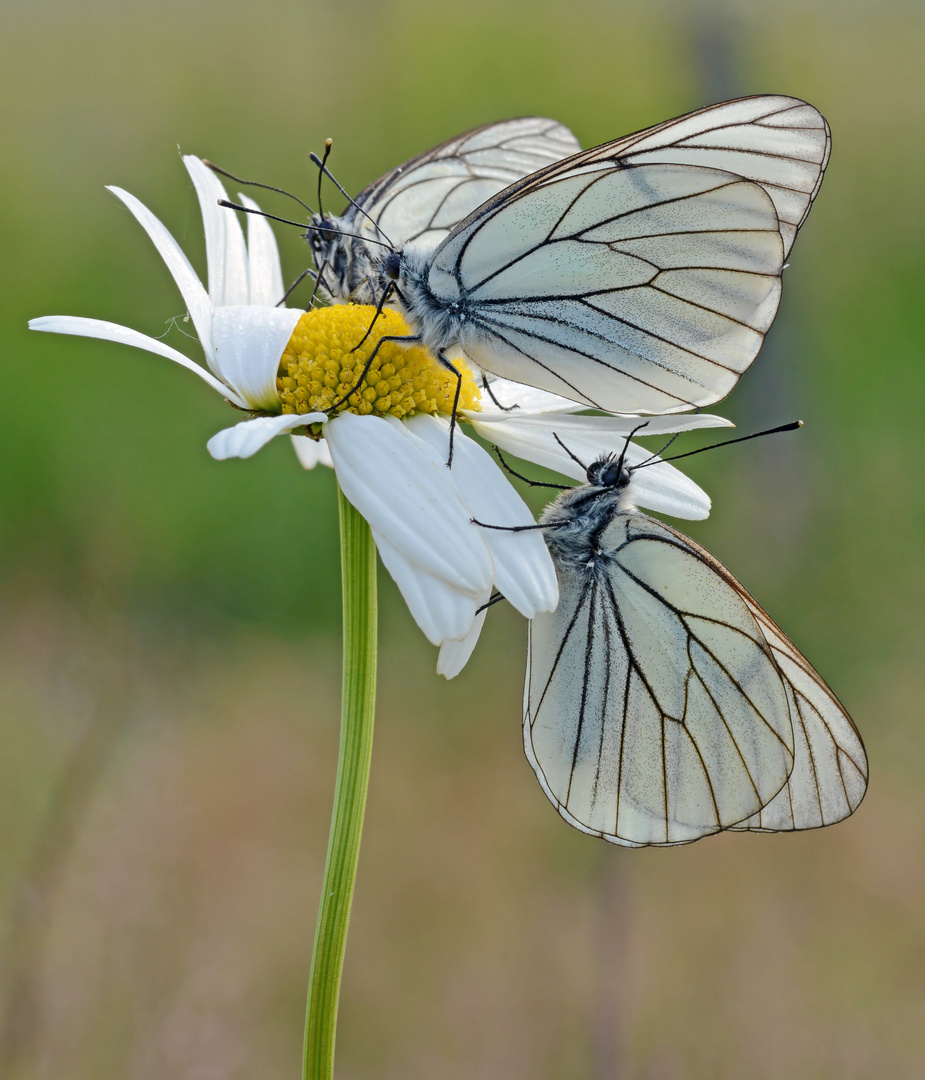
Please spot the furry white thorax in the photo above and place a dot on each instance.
(439, 321)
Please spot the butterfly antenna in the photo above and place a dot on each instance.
(658, 453)
(328, 143)
(375, 224)
(728, 442)
(298, 224)
(255, 183)
(626, 445)
(574, 458)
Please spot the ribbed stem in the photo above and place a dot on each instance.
(358, 704)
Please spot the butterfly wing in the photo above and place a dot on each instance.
(632, 288)
(422, 200)
(829, 777)
(782, 143)
(654, 712)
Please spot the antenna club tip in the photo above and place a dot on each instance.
(328, 143)
(208, 164)
(799, 423)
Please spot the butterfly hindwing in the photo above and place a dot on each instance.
(829, 777)
(654, 710)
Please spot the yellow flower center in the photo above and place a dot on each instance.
(318, 369)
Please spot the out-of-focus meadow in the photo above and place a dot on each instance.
(169, 670)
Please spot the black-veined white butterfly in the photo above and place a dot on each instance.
(639, 276)
(421, 201)
(662, 703)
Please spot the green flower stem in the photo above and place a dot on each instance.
(358, 705)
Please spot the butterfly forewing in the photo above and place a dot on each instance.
(779, 142)
(429, 195)
(640, 289)
(654, 711)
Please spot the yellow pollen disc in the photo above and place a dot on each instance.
(318, 369)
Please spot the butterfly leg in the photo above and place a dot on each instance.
(526, 479)
(519, 528)
(450, 367)
(486, 386)
(298, 281)
(408, 339)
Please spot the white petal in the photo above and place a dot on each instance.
(245, 439)
(311, 452)
(226, 253)
(666, 490)
(454, 654)
(439, 610)
(662, 488)
(531, 436)
(505, 396)
(265, 275)
(107, 331)
(195, 296)
(404, 491)
(523, 570)
(248, 343)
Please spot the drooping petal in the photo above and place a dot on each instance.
(532, 436)
(666, 490)
(195, 296)
(523, 569)
(404, 491)
(662, 487)
(265, 275)
(454, 654)
(245, 439)
(311, 452)
(248, 343)
(226, 253)
(439, 609)
(107, 331)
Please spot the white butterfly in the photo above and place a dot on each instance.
(638, 276)
(421, 201)
(661, 702)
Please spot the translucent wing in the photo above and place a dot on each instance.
(781, 143)
(429, 195)
(633, 288)
(654, 712)
(829, 775)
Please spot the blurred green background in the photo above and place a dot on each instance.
(169, 671)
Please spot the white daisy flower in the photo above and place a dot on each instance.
(388, 442)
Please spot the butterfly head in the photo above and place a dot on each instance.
(609, 471)
(390, 265)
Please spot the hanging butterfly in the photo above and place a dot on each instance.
(662, 703)
(421, 201)
(639, 276)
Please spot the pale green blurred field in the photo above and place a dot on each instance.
(169, 664)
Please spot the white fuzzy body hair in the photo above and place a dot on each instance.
(580, 515)
(439, 321)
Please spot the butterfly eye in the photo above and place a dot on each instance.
(391, 264)
(608, 473)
